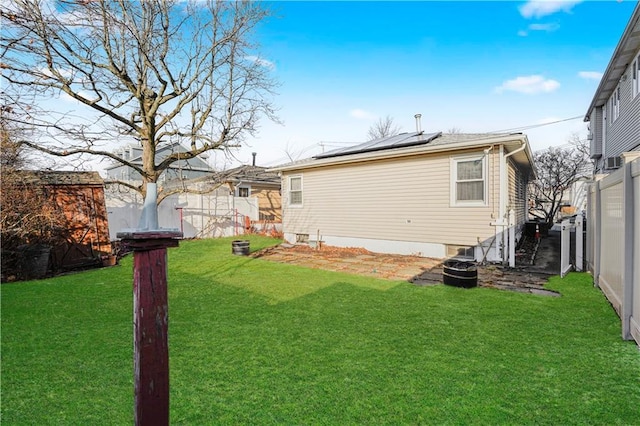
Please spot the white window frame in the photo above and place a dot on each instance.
(454, 160)
(289, 191)
(615, 104)
(635, 74)
(247, 187)
(604, 129)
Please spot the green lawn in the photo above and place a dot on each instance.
(255, 342)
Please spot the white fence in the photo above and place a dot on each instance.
(572, 237)
(613, 243)
(196, 215)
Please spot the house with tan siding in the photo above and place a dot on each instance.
(433, 195)
(258, 182)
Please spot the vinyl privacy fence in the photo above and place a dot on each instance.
(613, 243)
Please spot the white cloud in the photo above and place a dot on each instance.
(541, 8)
(544, 27)
(539, 27)
(529, 85)
(262, 62)
(590, 75)
(361, 114)
(87, 95)
(63, 72)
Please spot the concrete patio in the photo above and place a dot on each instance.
(526, 277)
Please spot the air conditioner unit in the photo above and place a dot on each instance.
(614, 162)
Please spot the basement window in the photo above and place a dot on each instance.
(302, 238)
(465, 252)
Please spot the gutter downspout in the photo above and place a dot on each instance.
(504, 194)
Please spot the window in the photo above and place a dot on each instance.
(302, 238)
(635, 71)
(469, 186)
(604, 130)
(244, 191)
(615, 104)
(460, 251)
(295, 190)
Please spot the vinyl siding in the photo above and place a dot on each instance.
(596, 131)
(404, 199)
(623, 134)
(269, 203)
(517, 193)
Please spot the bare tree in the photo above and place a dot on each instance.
(146, 72)
(383, 128)
(557, 169)
(27, 216)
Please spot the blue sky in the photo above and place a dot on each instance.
(476, 66)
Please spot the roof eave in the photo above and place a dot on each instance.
(405, 152)
(627, 46)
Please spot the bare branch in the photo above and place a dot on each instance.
(383, 128)
(139, 72)
(557, 170)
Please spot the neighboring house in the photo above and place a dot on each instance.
(613, 214)
(434, 195)
(614, 113)
(213, 204)
(80, 197)
(258, 182)
(182, 169)
(576, 197)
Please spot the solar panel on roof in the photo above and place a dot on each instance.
(398, 141)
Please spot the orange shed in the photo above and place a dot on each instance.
(79, 196)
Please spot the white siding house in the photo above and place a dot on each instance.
(180, 170)
(432, 195)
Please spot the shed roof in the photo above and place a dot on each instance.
(252, 174)
(55, 177)
(623, 55)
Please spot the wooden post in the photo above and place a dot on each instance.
(150, 323)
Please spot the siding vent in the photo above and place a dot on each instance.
(614, 162)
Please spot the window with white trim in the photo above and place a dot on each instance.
(243, 191)
(295, 190)
(635, 72)
(468, 181)
(615, 104)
